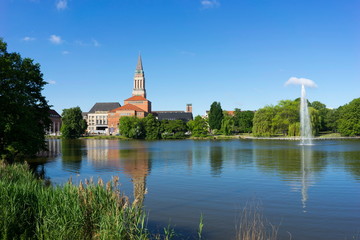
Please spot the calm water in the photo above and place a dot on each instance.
(311, 192)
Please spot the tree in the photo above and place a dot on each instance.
(152, 127)
(215, 116)
(198, 127)
(243, 121)
(227, 124)
(287, 113)
(24, 111)
(132, 127)
(262, 124)
(73, 124)
(349, 121)
(173, 129)
(323, 114)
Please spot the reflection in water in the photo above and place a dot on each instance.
(132, 157)
(216, 160)
(53, 150)
(71, 155)
(306, 163)
(296, 164)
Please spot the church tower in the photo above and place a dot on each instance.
(139, 80)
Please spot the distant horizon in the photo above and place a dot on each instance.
(238, 53)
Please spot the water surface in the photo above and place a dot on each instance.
(311, 192)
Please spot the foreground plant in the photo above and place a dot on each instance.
(254, 226)
(30, 210)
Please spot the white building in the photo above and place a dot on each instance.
(96, 118)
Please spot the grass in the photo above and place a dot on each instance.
(254, 226)
(31, 210)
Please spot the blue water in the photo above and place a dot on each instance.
(309, 192)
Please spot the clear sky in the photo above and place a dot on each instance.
(237, 52)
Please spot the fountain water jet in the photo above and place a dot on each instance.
(305, 124)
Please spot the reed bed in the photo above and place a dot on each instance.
(254, 226)
(31, 210)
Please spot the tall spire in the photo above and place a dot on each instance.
(139, 64)
(139, 80)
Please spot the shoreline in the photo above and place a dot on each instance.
(220, 137)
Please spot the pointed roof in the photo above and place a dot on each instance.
(128, 107)
(139, 64)
(136, 98)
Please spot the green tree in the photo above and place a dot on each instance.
(73, 124)
(24, 111)
(287, 113)
(331, 119)
(215, 116)
(243, 121)
(349, 121)
(198, 127)
(132, 127)
(323, 114)
(173, 129)
(262, 124)
(227, 124)
(152, 127)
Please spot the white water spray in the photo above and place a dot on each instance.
(305, 124)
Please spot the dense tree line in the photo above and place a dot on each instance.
(24, 110)
(150, 128)
(284, 119)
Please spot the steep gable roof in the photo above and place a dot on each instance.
(136, 98)
(128, 107)
(104, 106)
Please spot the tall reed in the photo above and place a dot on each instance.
(253, 225)
(30, 210)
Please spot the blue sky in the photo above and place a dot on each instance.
(238, 52)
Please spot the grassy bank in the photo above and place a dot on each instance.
(31, 210)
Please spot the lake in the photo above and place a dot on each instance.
(309, 192)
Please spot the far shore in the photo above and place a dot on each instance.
(332, 136)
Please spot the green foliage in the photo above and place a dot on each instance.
(287, 113)
(262, 124)
(24, 111)
(152, 127)
(73, 124)
(132, 127)
(227, 124)
(215, 116)
(283, 118)
(315, 120)
(331, 119)
(243, 121)
(198, 127)
(30, 210)
(173, 129)
(349, 118)
(323, 114)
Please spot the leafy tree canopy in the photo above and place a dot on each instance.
(243, 121)
(24, 110)
(132, 127)
(349, 121)
(198, 127)
(73, 124)
(215, 116)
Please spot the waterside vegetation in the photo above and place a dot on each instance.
(30, 209)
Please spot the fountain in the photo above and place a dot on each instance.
(305, 124)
